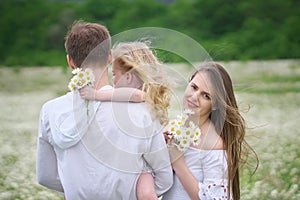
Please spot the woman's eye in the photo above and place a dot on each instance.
(206, 96)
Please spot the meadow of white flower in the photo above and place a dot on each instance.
(271, 89)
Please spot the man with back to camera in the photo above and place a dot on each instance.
(81, 155)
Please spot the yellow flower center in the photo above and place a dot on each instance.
(80, 75)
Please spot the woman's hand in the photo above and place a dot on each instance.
(167, 137)
(88, 93)
(176, 156)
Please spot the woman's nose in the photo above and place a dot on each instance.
(195, 96)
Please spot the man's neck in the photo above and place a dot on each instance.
(101, 77)
(100, 82)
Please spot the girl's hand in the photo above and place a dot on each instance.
(88, 93)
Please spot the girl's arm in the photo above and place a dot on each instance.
(116, 94)
(185, 176)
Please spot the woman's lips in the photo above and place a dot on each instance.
(191, 104)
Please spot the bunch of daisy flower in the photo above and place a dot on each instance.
(80, 79)
(183, 131)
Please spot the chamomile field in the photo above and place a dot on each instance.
(268, 93)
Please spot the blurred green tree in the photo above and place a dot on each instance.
(33, 31)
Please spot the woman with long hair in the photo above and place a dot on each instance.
(210, 170)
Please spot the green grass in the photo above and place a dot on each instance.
(269, 83)
(269, 90)
(272, 93)
(280, 79)
(29, 79)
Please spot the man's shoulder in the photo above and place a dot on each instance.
(140, 105)
(129, 107)
(126, 109)
(56, 102)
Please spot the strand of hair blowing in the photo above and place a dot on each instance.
(138, 59)
(232, 133)
(228, 122)
(230, 125)
(158, 96)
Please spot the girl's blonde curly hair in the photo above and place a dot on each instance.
(139, 59)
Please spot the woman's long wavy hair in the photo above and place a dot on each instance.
(137, 58)
(228, 121)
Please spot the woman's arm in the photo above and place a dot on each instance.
(116, 94)
(185, 176)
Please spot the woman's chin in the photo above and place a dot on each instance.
(191, 108)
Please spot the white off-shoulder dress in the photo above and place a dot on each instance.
(209, 167)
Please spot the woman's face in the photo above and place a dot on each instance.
(197, 96)
(119, 77)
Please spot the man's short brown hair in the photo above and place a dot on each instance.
(88, 43)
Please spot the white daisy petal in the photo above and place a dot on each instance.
(76, 71)
(188, 112)
(184, 133)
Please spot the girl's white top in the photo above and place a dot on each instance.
(209, 167)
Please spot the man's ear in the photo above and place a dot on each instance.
(70, 62)
(109, 60)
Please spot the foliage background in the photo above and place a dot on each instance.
(270, 88)
(32, 31)
(32, 34)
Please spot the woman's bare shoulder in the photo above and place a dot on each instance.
(212, 140)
